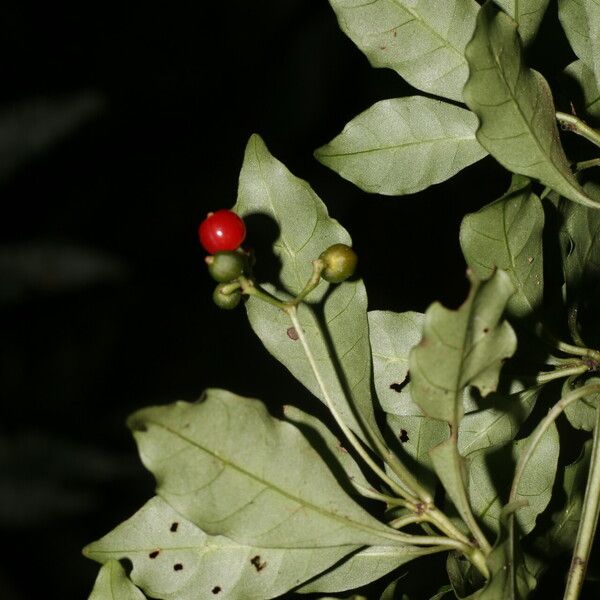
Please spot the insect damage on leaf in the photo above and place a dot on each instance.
(258, 565)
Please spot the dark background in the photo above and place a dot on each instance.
(121, 125)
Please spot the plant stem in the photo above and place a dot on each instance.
(579, 369)
(588, 521)
(576, 125)
(391, 501)
(541, 428)
(350, 436)
(401, 522)
(252, 289)
(570, 348)
(587, 164)
(311, 284)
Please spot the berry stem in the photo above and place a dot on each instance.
(576, 125)
(311, 284)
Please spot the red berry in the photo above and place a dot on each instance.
(221, 231)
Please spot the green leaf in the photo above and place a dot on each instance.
(580, 234)
(392, 336)
(305, 230)
(582, 412)
(113, 584)
(175, 560)
(514, 106)
(340, 338)
(590, 89)
(509, 579)
(418, 435)
(497, 423)
(224, 463)
(363, 567)
(404, 145)
(422, 40)
(507, 234)
(561, 535)
(462, 348)
(488, 467)
(581, 21)
(528, 15)
(326, 444)
(266, 187)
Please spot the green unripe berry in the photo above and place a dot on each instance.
(340, 263)
(226, 301)
(226, 266)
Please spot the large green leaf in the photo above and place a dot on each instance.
(224, 463)
(404, 145)
(339, 341)
(507, 234)
(173, 559)
(580, 233)
(487, 490)
(266, 187)
(581, 21)
(462, 348)
(528, 15)
(341, 338)
(514, 106)
(113, 584)
(497, 423)
(590, 88)
(422, 40)
(364, 567)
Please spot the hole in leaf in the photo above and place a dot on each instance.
(154, 554)
(216, 589)
(403, 436)
(398, 387)
(177, 567)
(174, 527)
(259, 566)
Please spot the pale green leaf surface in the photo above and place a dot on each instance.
(590, 89)
(392, 337)
(496, 424)
(362, 568)
(535, 487)
(515, 107)
(224, 463)
(507, 234)
(462, 348)
(346, 342)
(580, 232)
(305, 229)
(527, 13)
(208, 565)
(418, 435)
(404, 145)
(582, 412)
(312, 427)
(422, 40)
(113, 584)
(581, 21)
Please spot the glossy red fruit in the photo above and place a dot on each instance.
(221, 231)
